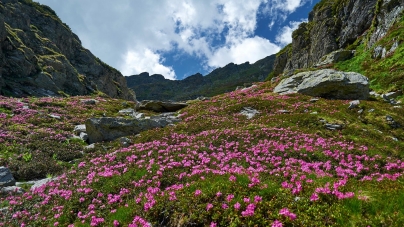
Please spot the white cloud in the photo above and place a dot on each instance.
(249, 49)
(284, 37)
(280, 9)
(146, 61)
(139, 32)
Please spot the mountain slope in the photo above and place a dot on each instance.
(40, 56)
(219, 81)
(215, 168)
(369, 27)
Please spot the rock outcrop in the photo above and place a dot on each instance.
(41, 56)
(110, 128)
(326, 83)
(334, 57)
(334, 25)
(221, 80)
(6, 178)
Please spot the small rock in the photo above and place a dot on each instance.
(353, 104)
(128, 111)
(314, 112)
(247, 88)
(6, 178)
(392, 102)
(39, 183)
(249, 112)
(3, 210)
(378, 131)
(392, 95)
(373, 93)
(83, 136)
(12, 190)
(89, 101)
(313, 100)
(392, 122)
(397, 107)
(333, 126)
(283, 111)
(323, 121)
(139, 115)
(395, 139)
(79, 129)
(91, 146)
(360, 111)
(371, 110)
(125, 142)
(202, 98)
(54, 116)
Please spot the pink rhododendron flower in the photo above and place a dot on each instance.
(286, 212)
(209, 206)
(198, 192)
(314, 197)
(277, 223)
(229, 197)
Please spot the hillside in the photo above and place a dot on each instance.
(216, 167)
(371, 29)
(41, 56)
(219, 81)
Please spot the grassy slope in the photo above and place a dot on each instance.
(384, 73)
(219, 168)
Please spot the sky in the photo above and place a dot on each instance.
(179, 38)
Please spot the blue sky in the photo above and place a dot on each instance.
(178, 38)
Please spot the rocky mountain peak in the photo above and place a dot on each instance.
(41, 56)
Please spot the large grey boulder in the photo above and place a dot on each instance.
(326, 83)
(161, 106)
(6, 178)
(109, 128)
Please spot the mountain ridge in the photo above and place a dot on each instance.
(220, 80)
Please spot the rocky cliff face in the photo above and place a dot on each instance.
(337, 24)
(41, 56)
(219, 81)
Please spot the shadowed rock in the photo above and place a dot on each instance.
(6, 178)
(160, 106)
